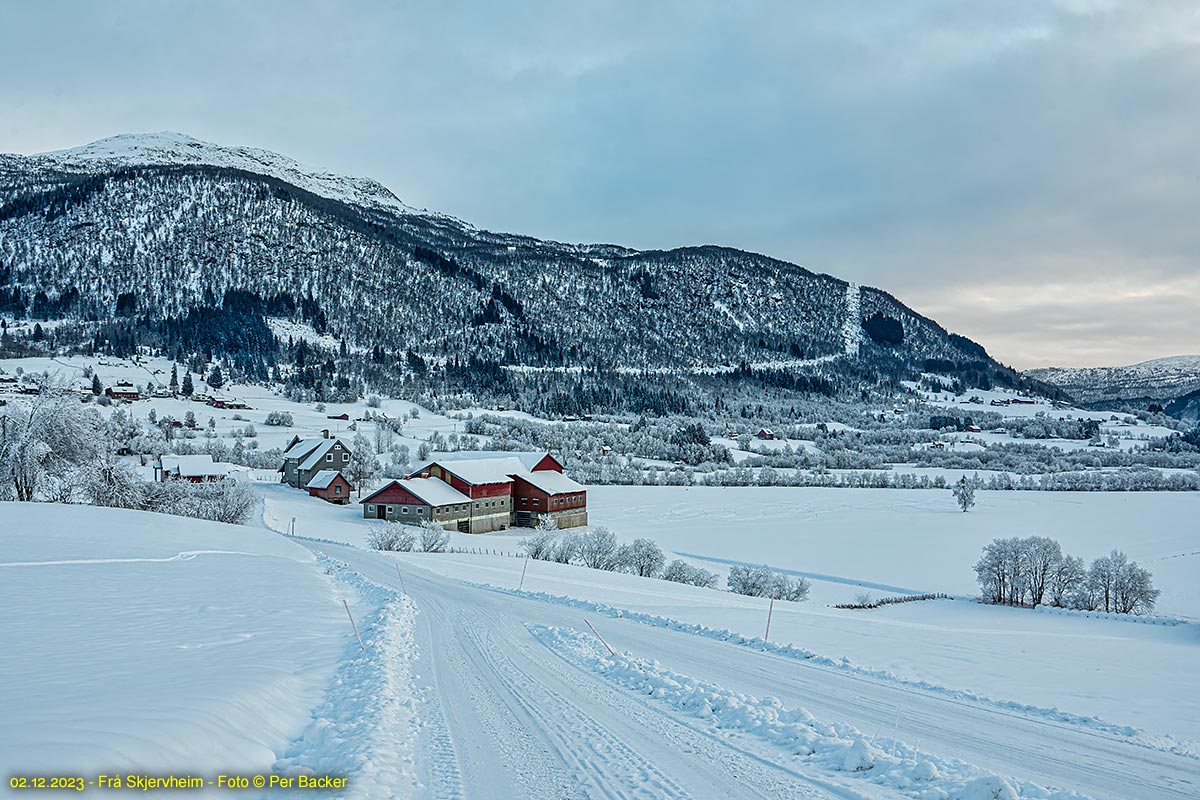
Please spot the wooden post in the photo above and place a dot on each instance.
(524, 567)
(601, 638)
(355, 624)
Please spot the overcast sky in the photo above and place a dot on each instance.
(1025, 173)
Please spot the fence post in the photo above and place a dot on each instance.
(524, 567)
(601, 638)
(355, 624)
(401, 574)
(770, 609)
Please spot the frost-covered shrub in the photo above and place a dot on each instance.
(641, 557)
(565, 549)
(374, 401)
(679, 571)
(392, 537)
(539, 545)
(434, 538)
(279, 419)
(762, 582)
(598, 549)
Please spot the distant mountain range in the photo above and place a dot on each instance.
(1161, 380)
(159, 229)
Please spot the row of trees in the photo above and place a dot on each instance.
(1034, 571)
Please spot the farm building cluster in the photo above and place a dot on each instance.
(470, 492)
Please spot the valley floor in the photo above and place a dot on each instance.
(155, 643)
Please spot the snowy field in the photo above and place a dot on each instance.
(143, 642)
(887, 542)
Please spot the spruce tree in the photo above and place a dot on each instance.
(187, 388)
(215, 379)
(97, 389)
(174, 384)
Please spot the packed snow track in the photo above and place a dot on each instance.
(506, 717)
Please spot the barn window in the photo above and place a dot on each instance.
(536, 501)
(329, 456)
(370, 509)
(524, 501)
(403, 509)
(337, 489)
(345, 456)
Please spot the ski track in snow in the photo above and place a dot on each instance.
(499, 719)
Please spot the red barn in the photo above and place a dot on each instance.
(331, 486)
(416, 500)
(506, 489)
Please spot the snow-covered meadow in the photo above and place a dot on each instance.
(144, 642)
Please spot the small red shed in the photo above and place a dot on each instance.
(331, 486)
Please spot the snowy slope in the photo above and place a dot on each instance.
(1157, 379)
(168, 148)
(142, 642)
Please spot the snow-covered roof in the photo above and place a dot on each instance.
(311, 451)
(303, 446)
(193, 466)
(477, 467)
(528, 459)
(433, 491)
(551, 482)
(322, 479)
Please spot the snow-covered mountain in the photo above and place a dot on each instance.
(1160, 379)
(155, 227)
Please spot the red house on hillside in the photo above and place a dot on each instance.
(331, 486)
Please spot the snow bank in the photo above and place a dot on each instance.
(367, 726)
(835, 747)
(1164, 743)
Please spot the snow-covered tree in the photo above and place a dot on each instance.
(364, 465)
(679, 571)
(173, 386)
(423, 452)
(279, 419)
(762, 582)
(42, 441)
(215, 378)
(598, 549)
(641, 557)
(964, 493)
(187, 389)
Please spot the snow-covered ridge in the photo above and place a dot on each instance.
(1159, 378)
(168, 148)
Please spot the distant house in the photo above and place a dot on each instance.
(416, 500)
(191, 468)
(973, 429)
(331, 486)
(1024, 401)
(304, 458)
(343, 416)
(487, 492)
(764, 433)
(123, 391)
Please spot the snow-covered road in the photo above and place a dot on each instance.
(508, 718)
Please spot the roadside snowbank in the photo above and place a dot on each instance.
(836, 747)
(366, 728)
(1128, 733)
